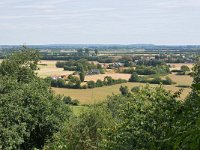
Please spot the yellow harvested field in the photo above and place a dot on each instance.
(181, 79)
(91, 96)
(178, 65)
(48, 68)
(102, 76)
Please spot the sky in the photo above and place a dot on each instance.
(100, 22)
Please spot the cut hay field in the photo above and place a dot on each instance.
(48, 68)
(177, 66)
(102, 76)
(181, 79)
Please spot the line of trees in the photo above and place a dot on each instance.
(156, 80)
(75, 83)
(148, 70)
(108, 81)
(81, 65)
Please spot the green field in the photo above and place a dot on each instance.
(77, 110)
(91, 96)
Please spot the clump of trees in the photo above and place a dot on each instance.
(152, 62)
(124, 90)
(81, 65)
(30, 113)
(106, 82)
(74, 82)
(146, 118)
(68, 100)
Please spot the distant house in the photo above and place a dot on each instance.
(94, 71)
(54, 77)
(115, 65)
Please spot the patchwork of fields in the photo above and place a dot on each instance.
(89, 96)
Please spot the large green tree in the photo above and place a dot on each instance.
(29, 111)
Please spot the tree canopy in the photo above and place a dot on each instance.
(29, 111)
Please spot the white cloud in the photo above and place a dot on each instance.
(101, 20)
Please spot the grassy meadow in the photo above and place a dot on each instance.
(91, 96)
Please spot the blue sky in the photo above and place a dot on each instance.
(99, 21)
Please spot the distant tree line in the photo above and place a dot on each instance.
(81, 65)
(156, 80)
(75, 83)
(148, 70)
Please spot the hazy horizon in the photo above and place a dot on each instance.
(34, 22)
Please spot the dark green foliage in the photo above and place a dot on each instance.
(70, 101)
(139, 121)
(29, 111)
(185, 68)
(91, 84)
(81, 65)
(20, 65)
(96, 52)
(84, 132)
(152, 62)
(128, 63)
(82, 76)
(148, 70)
(176, 70)
(73, 82)
(148, 118)
(167, 81)
(135, 89)
(183, 86)
(124, 90)
(156, 80)
(107, 82)
(134, 77)
(144, 120)
(99, 83)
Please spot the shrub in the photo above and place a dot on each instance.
(185, 68)
(135, 89)
(91, 84)
(68, 100)
(124, 90)
(167, 81)
(99, 83)
(134, 77)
